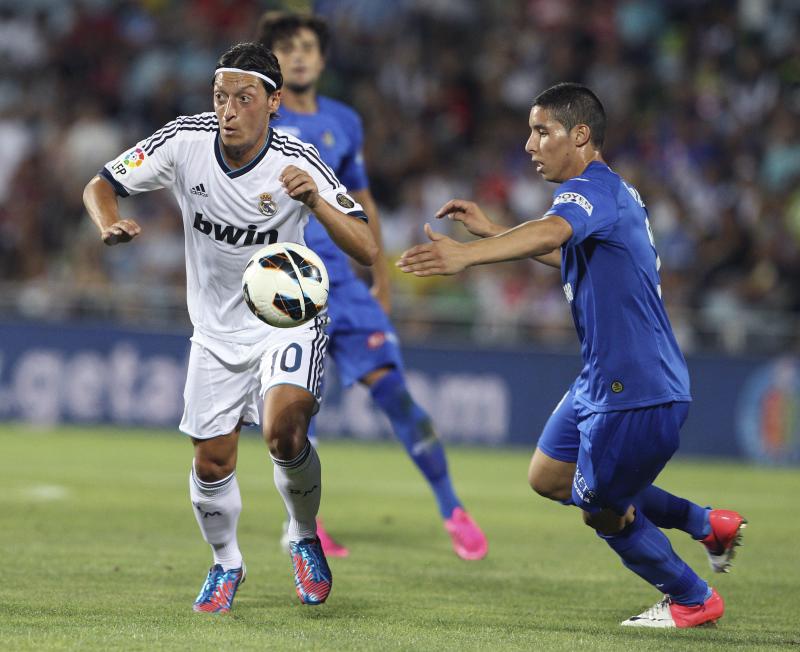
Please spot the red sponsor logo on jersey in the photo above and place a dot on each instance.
(376, 340)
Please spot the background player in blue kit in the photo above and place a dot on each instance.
(362, 339)
(619, 423)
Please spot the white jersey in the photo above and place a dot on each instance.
(227, 214)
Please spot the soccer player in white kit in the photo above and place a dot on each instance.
(239, 187)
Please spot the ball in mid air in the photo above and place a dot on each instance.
(285, 284)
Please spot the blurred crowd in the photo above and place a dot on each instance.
(703, 101)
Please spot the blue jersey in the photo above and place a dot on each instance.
(609, 268)
(336, 131)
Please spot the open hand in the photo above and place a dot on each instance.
(471, 216)
(442, 255)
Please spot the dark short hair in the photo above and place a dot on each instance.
(574, 104)
(275, 26)
(255, 57)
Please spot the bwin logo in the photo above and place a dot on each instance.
(232, 234)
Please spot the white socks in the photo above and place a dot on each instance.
(299, 482)
(216, 507)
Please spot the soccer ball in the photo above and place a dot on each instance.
(285, 284)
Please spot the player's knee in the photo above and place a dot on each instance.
(376, 375)
(210, 468)
(286, 437)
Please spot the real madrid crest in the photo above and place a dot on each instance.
(267, 205)
(344, 201)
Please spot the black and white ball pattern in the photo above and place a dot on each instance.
(285, 284)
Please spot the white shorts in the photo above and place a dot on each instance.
(227, 381)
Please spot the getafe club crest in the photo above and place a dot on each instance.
(267, 205)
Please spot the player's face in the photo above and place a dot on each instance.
(243, 109)
(301, 59)
(550, 145)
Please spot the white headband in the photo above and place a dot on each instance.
(248, 72)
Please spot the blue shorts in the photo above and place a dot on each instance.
(560, 438)
(617, 454)
(362, 339)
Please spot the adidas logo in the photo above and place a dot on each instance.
(199, 190)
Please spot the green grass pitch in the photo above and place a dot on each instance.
(101, 552)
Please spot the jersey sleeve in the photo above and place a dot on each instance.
(330, 188)
(149, 165)
(589, 209)
(353, 171)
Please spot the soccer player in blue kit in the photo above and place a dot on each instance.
(618, 425)
(362, 342)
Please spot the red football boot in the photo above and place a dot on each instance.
(724, 538)
(668, 614)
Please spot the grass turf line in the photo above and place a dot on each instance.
(102, 552)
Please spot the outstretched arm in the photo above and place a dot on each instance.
(444, 255)
(477, 223)
(102, 204)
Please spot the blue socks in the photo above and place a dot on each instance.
(413, 427)
(668, 511)
(646, 551)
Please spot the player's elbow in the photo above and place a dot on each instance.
(368, 252)
(548, 234)
(374, 252)
(551, 240)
